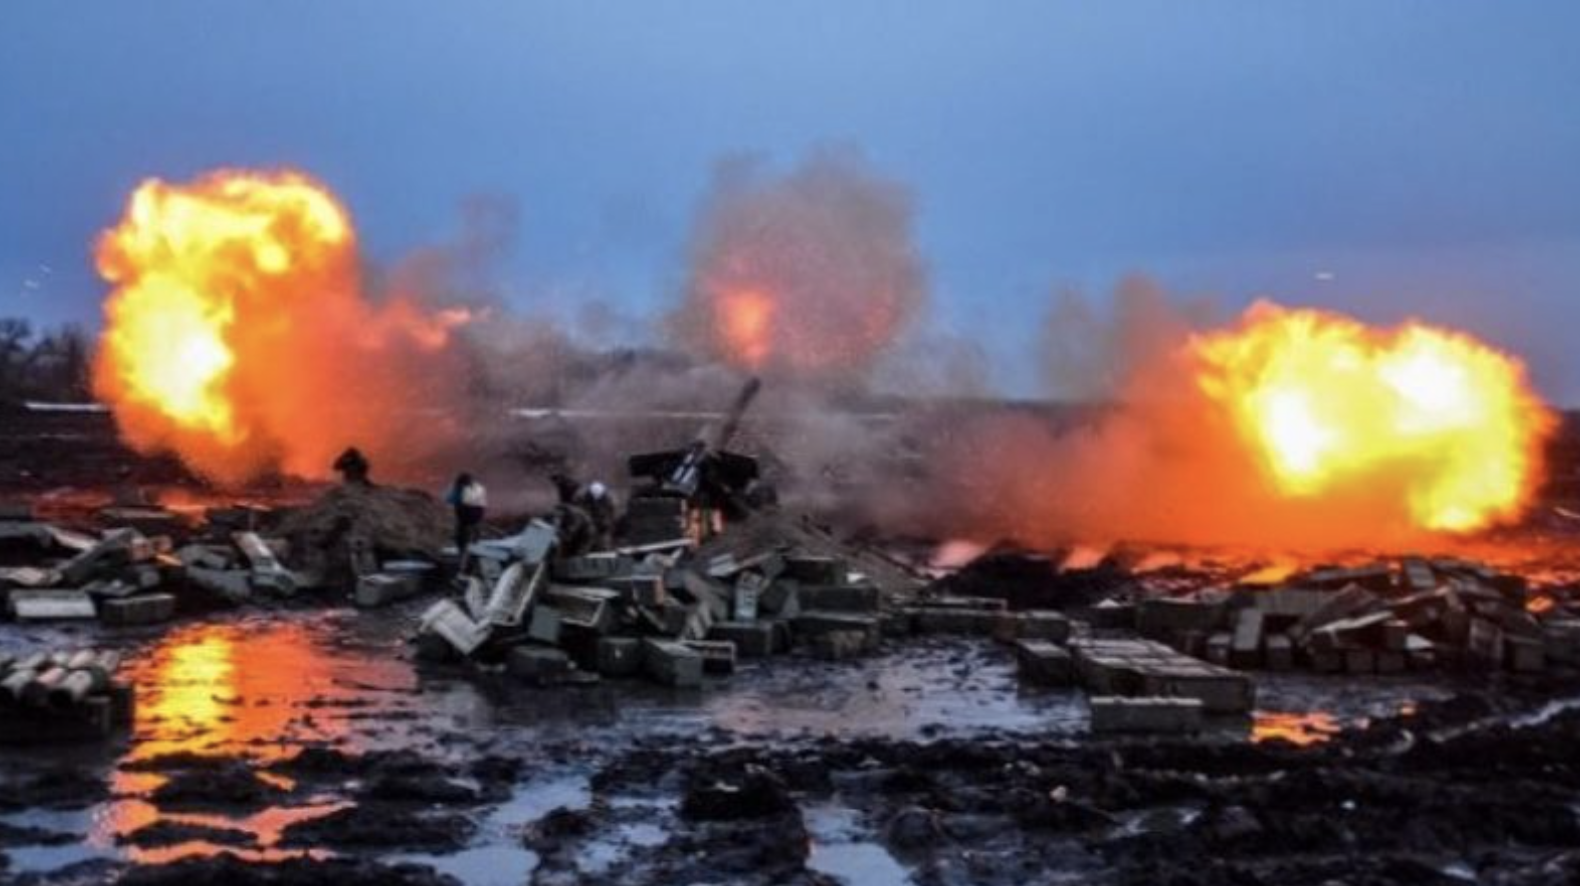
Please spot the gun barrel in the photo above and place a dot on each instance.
(681, 472)
(732, 419)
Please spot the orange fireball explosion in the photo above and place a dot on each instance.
(1289, 431)
(1328, 404)
(237, 335)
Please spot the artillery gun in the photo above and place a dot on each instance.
(705, 475)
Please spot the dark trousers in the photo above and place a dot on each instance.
(467, 519)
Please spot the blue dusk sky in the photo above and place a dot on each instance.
(1390, 158)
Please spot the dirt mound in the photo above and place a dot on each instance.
(1031, 581)
(228, 870)
(751, 792)
(383, 826)
(174, 833)
(216, 787)
(392, 523)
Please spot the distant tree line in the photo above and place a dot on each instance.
(50, 365)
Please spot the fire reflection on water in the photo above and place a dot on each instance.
(189, 686)
(233, 688)
(266, 827)
(1299, 729)
(254, 691)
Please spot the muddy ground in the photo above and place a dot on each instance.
(310, 747)
(307, 747)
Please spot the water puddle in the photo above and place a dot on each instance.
(1310, 710)
(543, 795)
(848, 852)
(953, 689)
(255, 690)
(601, 855)
(488, 865)
(1161, 819)
(497, 856)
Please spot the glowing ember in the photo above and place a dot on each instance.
(1329, 405)
(237, 334)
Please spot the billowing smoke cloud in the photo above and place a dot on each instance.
(928, 364)
(1088, 356)
(1128, 451)
(811, 274)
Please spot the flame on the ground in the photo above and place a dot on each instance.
(1328, 404)
(237, 334)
